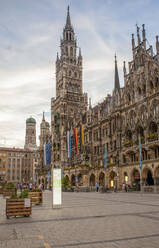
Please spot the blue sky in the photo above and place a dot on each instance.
(29, 41)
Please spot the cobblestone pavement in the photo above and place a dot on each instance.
(86, 220)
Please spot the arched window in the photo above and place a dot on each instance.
(69, 87)
(156, 82)
(76, 88)
(71, 51)
(151, 85)
(139, 91)
(140, 132)
(144, 88)
(75, 74)
(143, 112)
(66, 50)
(156, 110)
(153, 127)
(129, 98)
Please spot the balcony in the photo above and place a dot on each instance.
(152, 137)
(128, 143)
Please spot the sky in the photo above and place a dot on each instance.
(30, 34)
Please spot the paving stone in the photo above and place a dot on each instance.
(110, 220)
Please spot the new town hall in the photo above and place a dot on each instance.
(115, 124)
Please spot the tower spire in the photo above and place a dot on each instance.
(68, 19)
(116, 79)
(144, 35)
(157, 45)
(43, 116)
(138, 34)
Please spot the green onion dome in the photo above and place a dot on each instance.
(31, 120)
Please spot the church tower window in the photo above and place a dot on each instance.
(71, 51)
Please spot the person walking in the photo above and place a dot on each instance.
(97, 187)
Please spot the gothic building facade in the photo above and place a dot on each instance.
(115, 125)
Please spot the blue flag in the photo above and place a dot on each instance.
(48, 176)
(69, 144)
(48, 153)
(105, 159)
(45, 154)
(140, 153)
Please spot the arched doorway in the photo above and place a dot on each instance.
(112, 180)
(126, 177)
(157, 176)
(101, 179)
(92, 180)
(80, 179)
(67, 178)
(136, 180)
(147, 177)
(73, 182)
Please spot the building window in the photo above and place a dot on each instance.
(3, 164)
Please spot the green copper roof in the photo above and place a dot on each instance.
(31, 120)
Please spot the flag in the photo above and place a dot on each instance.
(48, 176)
(49, 153)
(76, 141)
(105, 158)
(82, 134)
(69, 144)
(45, 154)
(140, 153)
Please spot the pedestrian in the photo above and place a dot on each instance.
(30, 186)
(40, 186)
(97, 187)
(126, 188)
(43, 187)
(123, 187)
(21, 186)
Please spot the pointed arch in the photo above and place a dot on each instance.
(73, 182)
(92, 180)
(101, 179)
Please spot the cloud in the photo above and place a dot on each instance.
(30, 34)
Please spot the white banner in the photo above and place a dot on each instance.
(27, 202)
(56, 188)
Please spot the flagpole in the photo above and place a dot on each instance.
(140, 156)
(105, 162)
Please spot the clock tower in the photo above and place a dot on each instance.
(70, 100)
